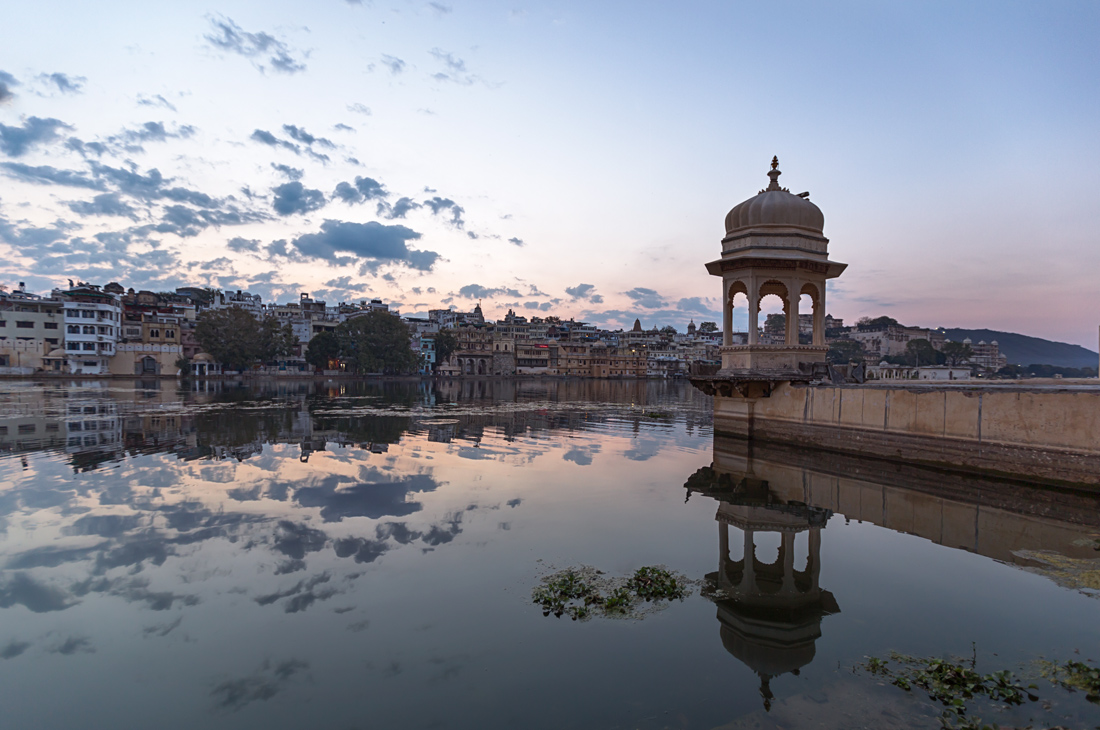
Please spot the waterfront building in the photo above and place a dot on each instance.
(30, 330)
(986, 355)
(886, 371)
(93, 318)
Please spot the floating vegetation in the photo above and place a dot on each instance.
(952, 684)
(1074, 573)
(583, 592)
(1073, 676)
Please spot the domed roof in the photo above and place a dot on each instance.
(58, 353)
(775, 207)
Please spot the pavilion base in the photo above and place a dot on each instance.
(792, 358)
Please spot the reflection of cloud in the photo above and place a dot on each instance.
(14, 649)
(161, 629)
(295, 540)
(642, 450)
(24, 590)
(268, 681)
(73, 645)
(379, 497)
(581, 455)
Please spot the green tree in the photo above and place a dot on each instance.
(957, 352)
(775, 324)
(920, 352)
(275, 340)
(445, 345)
(323, 348)
(842, 352)
(230, 335)
(377, 342)
(708, 326)
(876, 323)
(668, 330)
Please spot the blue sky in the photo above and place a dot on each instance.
(575, 158)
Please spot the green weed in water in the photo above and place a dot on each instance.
(574, 592)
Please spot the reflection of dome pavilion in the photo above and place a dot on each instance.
(770, 613)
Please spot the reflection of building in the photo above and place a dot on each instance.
(770, 613)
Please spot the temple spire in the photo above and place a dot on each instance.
(774, 174)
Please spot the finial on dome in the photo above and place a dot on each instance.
(774, 174)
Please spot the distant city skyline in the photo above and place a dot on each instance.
(564, 159)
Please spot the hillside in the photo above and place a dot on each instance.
(1024, 350)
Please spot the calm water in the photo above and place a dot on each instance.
(363, 557)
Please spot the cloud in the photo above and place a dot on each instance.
(398, 210)
(647, 298)
(241, 245)
(341, 127)
(372, 241)
(305, 137)
(293, 197)
(228, 36)
(697, 305)
(265, 137)
(445, 205)
(476, 291)
(132, 140)
(395, 65)
(23, 590)
(6, 82)
(47, 175)
(15, 141)
(454, 68)
(516, 241)
(439, 8)
(358, 108)
(584, 291)
(364, 189)
(73, 645)
(294, 540)
(103, 204)
(65, 84)
(155, 100)
(292, 173)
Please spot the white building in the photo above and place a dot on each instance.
(92, 322)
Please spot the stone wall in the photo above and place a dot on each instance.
(1044, 434)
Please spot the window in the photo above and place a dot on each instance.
(25, 428)
(154, 333)
(90, 364)
(72, 313)
(51, 341)
(52, 427)
(90, 425)
(3, 323)
(170, 334)
(72, 345)
(24, 325)
(104, 330)
(73, 329)
(89, 346)
(89, 330)
(87, 314)
(3, 430)
(50, 325)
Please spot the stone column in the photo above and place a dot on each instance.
(787, 553)
(754, 311)
(815, 557)
(748, 577)
(723, 544)
(819, 315)
(791, 311)
(727, 313)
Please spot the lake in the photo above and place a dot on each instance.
(363, 555)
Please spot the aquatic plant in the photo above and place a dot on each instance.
(1073, 676)
(952, 684)
(581, 592)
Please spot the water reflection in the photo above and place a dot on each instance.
(770, 613)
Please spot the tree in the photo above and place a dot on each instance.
(775, 324)
(377, 342)
(445, 345)
(708, 326)
(845, 351)
(957, 352)
(920, 352)
(876, 323)
(323, 349)
(275, 340)
(230, 335)
(668, 330)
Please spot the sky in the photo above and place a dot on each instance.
(568, 158)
